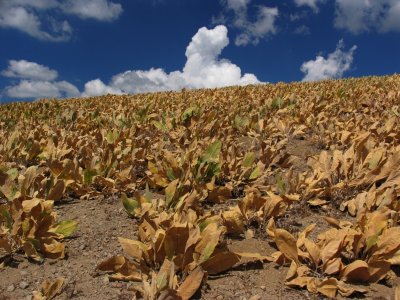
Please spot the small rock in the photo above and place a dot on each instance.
(263, 287)
(24, 273)
(106, 279)
(255, 297)
(23, 285)
(220, 297)
(82, 247)
(29, 297)
(11, 288)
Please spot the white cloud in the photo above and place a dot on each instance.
(252, 31)
(42, 89)
(22, 19)
(102, 10)
(29, 70)
(311, 3)
(359, 16)
(264, 25)
(37, 81)
(203, 69)
(333, 66)
(28, 16)
(97, 87)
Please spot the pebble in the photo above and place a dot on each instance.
(82, 247)
(220, 297)
(106, 279)
(23, 285)
(11, 288)
(24, 273)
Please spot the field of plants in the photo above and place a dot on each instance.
(284, 191)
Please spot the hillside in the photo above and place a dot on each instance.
(283, 191)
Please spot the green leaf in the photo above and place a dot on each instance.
(111, 137)
(9, 192)
(88, 175)
(170, 174)
(212, 152)
(280, 183)
(7, 217)
(203, 225)
(25, 226)
(208, 251)
(188, 113)
(12, 173)
(372, 240)
(170, 191)
(67, 228)
(129, 204)
(256, 173)
(240, 122)
(248, 159)
(159, 125)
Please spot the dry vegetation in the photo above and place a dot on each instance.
(309, 170)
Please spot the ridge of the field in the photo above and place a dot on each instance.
(273, 191)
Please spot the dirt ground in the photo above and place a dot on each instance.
(101, 222)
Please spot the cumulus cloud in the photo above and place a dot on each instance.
(203, 69)
(359, 16)
(27, 16)
(235, 14)
(42, 89)
(97, 87)
(29, 70)
(333, 66)
(36, 81)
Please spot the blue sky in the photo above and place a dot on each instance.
(68, 48)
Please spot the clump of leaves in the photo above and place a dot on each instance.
(170, 248)
(31, 227)
(346, 254)
(256, 209)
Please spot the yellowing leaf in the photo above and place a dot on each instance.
(286, 243)
(212, 152)
(170, 191)
(67, 228)
(57, 192)
(357, 271)
(257, 172)
(129, 204)
(220, 262)
(248, 159)
(234, 221)
(50, 289)
(191, 284)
